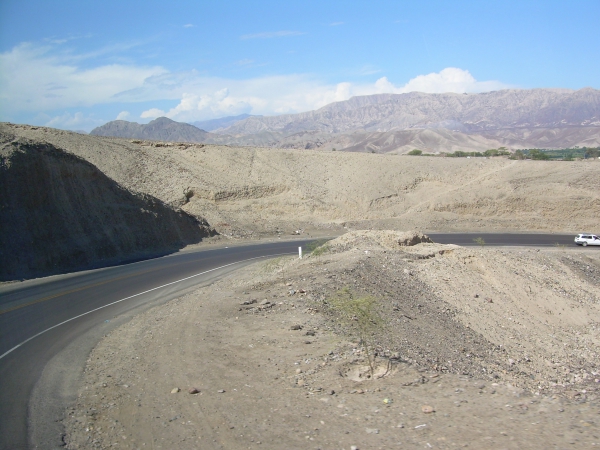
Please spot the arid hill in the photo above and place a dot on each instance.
(60, 213)
(259, 191)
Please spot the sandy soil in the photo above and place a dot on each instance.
(251, 192)
(479, 347)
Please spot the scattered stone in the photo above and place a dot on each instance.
(372, 431)
(175, 390)
(301, 382)
(221, 391)
(193, 391)
(388, 401)
(296, 327)
(310, 333)
(298, 371)
(265, 302)
(427, 409)
(292, 292)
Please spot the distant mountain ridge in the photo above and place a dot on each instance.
(382, 123)
(161, 129)
(535, 108)
(222, 122)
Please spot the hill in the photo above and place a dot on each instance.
(535, 108)
(245, 192)
(60, 213)
(161, 129)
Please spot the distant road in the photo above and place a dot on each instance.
(49, 326)
(506, 239)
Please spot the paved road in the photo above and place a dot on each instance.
(49, 326)
(504, 239)
(28, 411)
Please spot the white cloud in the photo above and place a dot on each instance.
(123, 115)
(188, 25)
(77, 121)
(335, 24)
(153, 113)
(39, 79)
(271, 34)
(205, 98)
(450, 79)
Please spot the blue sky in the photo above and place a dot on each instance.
(78, 64)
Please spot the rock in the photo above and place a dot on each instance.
(292, 292)
(427, 409)
(193, 391)
(301, 382)
(353, 447)
(372, 431)
(175, 390)
(265, 302)
(412, 238)
(298, 371)
(331, 392)
(310, 333)
(221, 391)
(296, 327)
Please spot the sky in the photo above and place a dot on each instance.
(78, 64)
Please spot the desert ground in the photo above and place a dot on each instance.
(475, 347)
(480, 347)
(251, 192)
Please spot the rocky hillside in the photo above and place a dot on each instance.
(161, 129)
(254, 191)
(60, 213)
(398, 123)
(536, 108)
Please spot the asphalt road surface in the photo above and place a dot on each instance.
(49, 326)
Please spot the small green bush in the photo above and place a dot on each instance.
(479, 241)
(359, 316)
(318, 247)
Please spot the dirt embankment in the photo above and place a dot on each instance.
(486, 348)
(60, 213)
(249, 192)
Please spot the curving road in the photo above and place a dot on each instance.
(49, 326)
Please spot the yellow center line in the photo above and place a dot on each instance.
(50, 297)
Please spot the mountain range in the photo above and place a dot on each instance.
(381, 123)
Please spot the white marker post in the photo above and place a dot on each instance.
(300, 252)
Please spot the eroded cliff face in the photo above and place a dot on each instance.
(59, 213)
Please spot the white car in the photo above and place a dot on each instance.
(587, 239)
